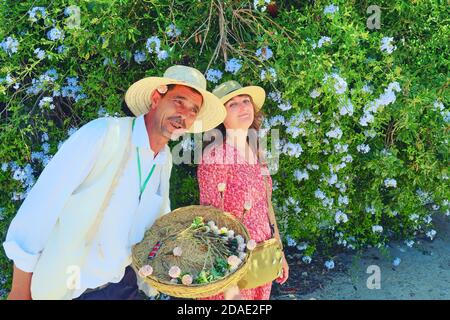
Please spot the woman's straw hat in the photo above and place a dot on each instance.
(231, 89)
(212, 111)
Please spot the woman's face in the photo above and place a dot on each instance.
(240, 112)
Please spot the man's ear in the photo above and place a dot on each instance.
(155, 98)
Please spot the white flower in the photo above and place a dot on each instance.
(340, 148)
(264, 53)
(335, 133)
(346, 108)
(251, 244)
(396, 262)
(366, 88)
(409, 243)
(285, 106)
(340, 217)
(4, 166)
(431, 234)
(271, 72)
(343, 200)
(145, 271)
(290, 242)
(307, 259)
(390, 183)
(386, 45)
(211, 224)
(139, 57)
(248, 204)
(47, 102)
(260, 4)
(174, 272)
(55, 34)
(177, 251)
(293, 149)
(34, 11)
(240, 239)
(162, 55)
(230, 234)
(215, 230)
(363, 148)
(314, 93)
(312, 167)
(10, 45)
(377, 228)
(234, 261)
(173, 31)
(319, 194)
(366, 119)
(348, 158)
(321, 42)
(329, 264)
(414, 217)
(331, 9)
(435, 207)
(242, 247)
(153, 44)
(301, 175)
(213, 75)
(233, 65)
(370, 209)
(242, 255)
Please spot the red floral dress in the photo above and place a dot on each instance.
(244, 182)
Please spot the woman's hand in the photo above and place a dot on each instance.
(232, 293)
(283, 278)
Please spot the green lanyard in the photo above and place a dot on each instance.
(142, 186)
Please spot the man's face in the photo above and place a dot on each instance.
(176, 111)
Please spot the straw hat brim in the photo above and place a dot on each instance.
(211, 114)
(258, 95)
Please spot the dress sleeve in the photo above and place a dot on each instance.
(34, 221)
(211, 173)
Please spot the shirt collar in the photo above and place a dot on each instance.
(140, 140)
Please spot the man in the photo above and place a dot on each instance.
(73, 234)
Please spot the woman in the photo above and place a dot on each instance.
(232, 175)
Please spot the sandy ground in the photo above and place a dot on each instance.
(423, 273)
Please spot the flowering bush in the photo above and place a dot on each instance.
(363, 113)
